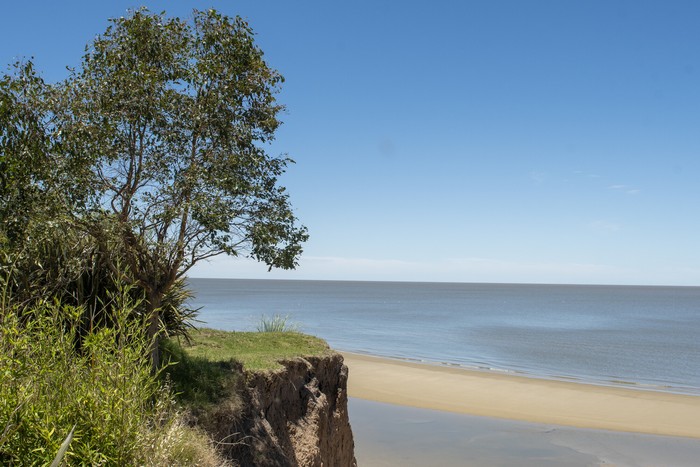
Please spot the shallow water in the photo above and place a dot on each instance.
(635, 336)
(389, 435)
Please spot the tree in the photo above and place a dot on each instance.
(168, 121)
(24, 163)
(39, 255)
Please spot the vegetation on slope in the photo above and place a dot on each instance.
(148, 158)
(254, 350)
(207, 371)
(105, 389)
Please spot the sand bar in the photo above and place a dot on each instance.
(521, 398)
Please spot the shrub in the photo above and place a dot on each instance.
(276, 323)
(101, 383)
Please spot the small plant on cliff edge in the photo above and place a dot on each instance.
(276, 323)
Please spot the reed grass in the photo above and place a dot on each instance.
(97, 386)
(276, 323)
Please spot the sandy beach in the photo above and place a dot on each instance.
(514, 397)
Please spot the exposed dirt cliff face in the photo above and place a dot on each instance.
(297, 416)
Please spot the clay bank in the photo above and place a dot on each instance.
(268, 399)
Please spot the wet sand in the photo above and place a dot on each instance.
(388, 435)
(513, 397)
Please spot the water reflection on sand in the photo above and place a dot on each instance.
(392, 435)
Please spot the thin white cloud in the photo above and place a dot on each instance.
(603, 226)
(625, 189)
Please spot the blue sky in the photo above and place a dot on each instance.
(475, 141)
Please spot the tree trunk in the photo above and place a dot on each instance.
(154, 328)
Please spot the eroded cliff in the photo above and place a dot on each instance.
(295, 416)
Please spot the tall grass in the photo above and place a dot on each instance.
(276, 323)
(101, 383)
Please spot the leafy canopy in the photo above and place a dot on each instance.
(151, 156)
(173, 118)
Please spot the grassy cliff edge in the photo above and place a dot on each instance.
(256, 351)
(248, 389)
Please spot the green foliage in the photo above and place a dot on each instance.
(37, 176)
(170, 117)
(177, 316)
(276, 323)
(199, 382)
(61, 454)
(148, 158)
(105, 388)
(179, 444)
(24, 154)
(207, 373)
(254, 350)
(65, 265)
(56, 262)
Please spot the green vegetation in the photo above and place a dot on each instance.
(197, 381)
(277, 323)
(103, 392)
(207, 370)
(254, 350)
(101, 386)
(148, 158)
(207, 374)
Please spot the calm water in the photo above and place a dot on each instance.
(644, 336)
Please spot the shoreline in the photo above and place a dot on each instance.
(524, 398)
(479, 369)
